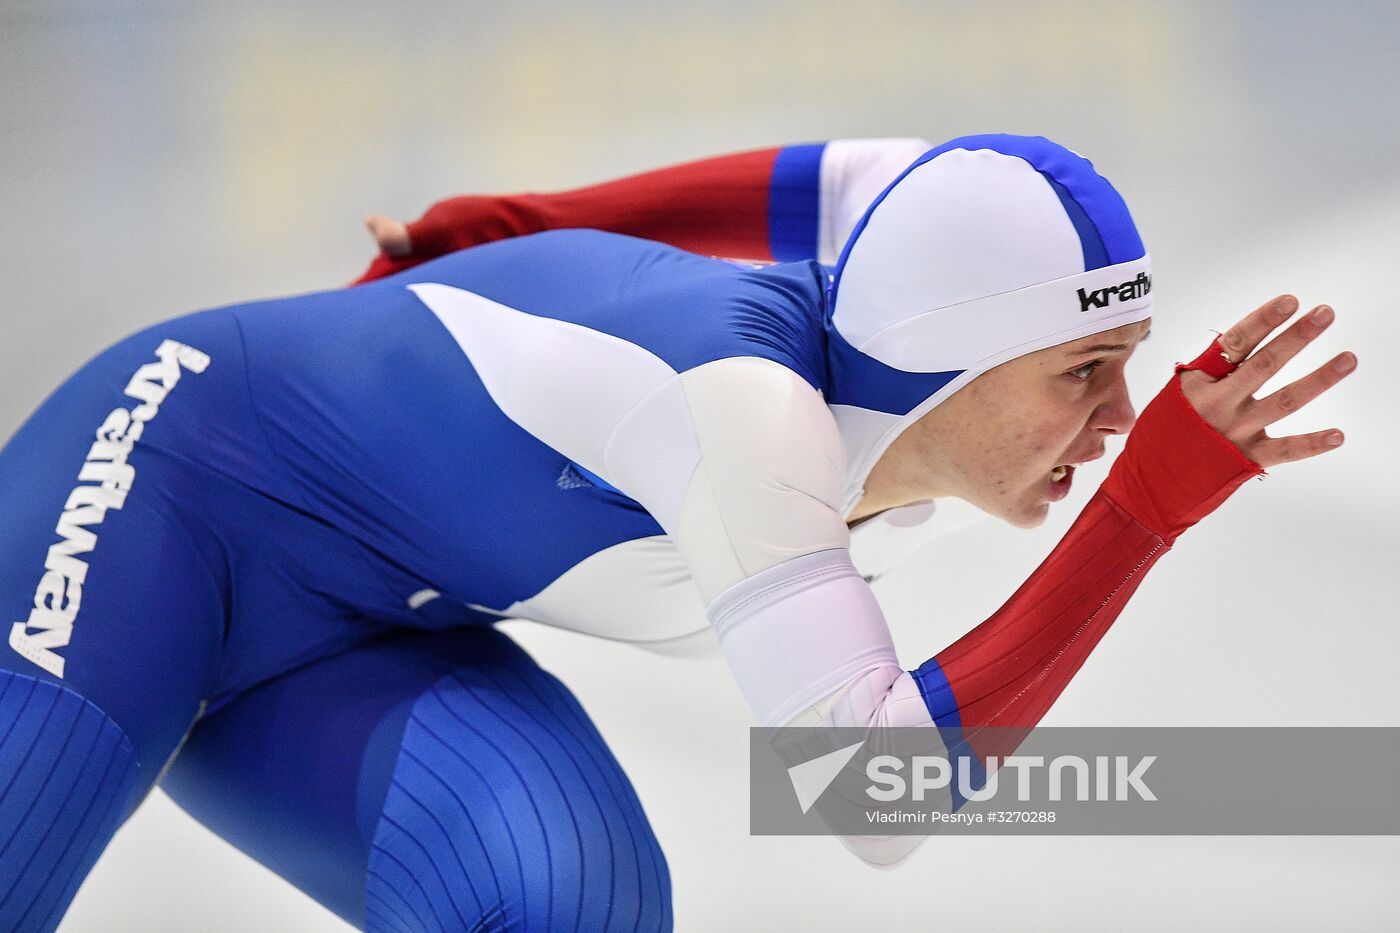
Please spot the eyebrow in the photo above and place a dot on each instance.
(1107, 347)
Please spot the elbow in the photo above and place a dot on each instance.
(885, 853)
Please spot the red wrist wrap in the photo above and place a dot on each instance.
(1213, 362)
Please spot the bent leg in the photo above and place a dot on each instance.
(66, 773)
(431, 781)
(113, 624)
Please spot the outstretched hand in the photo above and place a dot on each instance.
(1229, 404)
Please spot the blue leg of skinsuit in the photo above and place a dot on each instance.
(126, 609)
(80, 750)
(430, 781)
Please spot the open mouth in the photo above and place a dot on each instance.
(1061, 478)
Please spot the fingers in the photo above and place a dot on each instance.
(1239, 341)
(1294, 396)
(390, 234)
(1268, 360)
(1275, 450)
(1228, 404)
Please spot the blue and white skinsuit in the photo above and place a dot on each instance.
(279, 532)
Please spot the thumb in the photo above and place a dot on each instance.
(391, 235)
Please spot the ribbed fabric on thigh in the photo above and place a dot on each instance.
(430, 781)
(66, 771)
(507, 811)
(294, 771)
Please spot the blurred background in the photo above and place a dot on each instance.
(159, 157)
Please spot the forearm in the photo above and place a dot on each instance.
(782, 204)
(1009, 670)
(717, 206)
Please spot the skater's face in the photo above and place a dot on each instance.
(998, 441)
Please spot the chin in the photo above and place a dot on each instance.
(1031, 516)
(1028, 515)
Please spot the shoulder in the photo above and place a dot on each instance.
(687, 310)
(763, 480)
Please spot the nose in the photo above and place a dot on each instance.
(1115, 415)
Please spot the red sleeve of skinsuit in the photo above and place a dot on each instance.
(751, 205)
(1174, 470)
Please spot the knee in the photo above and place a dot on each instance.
(515, 863)
(595, 876)
(67, 774)
(490, 836)
(507, 811)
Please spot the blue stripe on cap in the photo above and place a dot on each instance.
(1101, 203)
(1095, 253)
(794, 202)
(1106, 229)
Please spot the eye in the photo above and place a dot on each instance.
(1085, 371)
